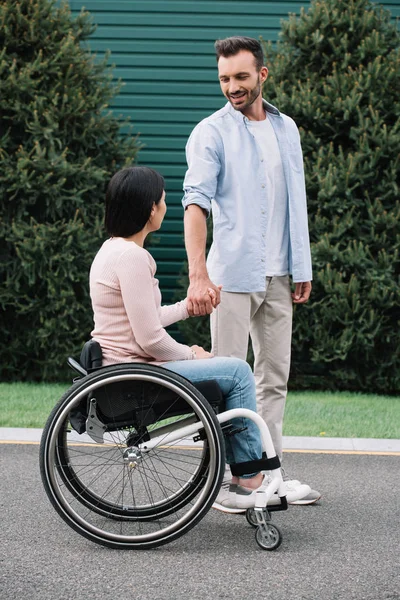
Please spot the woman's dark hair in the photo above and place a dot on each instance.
(233, 45)
(130, 196)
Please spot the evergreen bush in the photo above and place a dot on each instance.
(336, 72)
(59, 145)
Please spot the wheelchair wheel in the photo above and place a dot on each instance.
(269, 538)
(158, 469)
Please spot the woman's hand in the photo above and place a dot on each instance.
(214, 300)
(200, 352)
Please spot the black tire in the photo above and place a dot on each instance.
(270, 542)
(122, 504)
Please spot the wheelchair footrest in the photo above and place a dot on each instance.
(282, 506)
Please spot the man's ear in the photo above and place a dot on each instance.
(263, 74)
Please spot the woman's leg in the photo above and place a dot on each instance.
(236, 381)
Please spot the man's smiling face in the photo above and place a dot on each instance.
(240, 80)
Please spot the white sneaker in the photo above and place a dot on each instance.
(296, 491)
(234, 499)
(312, 497)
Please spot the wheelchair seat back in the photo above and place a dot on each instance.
(91, 356)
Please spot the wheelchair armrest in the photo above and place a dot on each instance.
(76, 366)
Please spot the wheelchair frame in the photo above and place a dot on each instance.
(145, 477)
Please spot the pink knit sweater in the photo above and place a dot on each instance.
(129, 320)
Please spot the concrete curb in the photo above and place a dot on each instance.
(290, 443)
(341, 444)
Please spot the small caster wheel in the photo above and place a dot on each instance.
(270, 540)
(251, 517)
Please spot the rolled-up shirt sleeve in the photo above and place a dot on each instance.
(203, 151)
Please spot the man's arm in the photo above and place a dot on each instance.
(199, 301)
(203, 157)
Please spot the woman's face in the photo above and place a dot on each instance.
(158, 214)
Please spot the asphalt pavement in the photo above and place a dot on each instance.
(344, 547)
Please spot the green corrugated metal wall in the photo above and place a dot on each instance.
(163, 51)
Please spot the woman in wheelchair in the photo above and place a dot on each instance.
(129, 320)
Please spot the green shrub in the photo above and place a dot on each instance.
(336, 72)
(59, 145)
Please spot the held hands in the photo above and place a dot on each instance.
(302, 292)
(203, 296)
(200, 302)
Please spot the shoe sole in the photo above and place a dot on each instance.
(304, 502)
(230, 511)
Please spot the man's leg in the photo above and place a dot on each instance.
(271, 335)
(230, 329)
(230, 325)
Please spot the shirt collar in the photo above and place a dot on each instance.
(241, 118)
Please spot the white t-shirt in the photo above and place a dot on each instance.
(277, 232)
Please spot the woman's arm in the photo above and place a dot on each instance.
(172, 313)
(137, 289)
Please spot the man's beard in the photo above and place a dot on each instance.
(252, 95)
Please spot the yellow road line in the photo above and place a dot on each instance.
(299, 451)
(19, 442)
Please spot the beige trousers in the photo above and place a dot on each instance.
(267, 318)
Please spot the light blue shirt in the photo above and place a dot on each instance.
(277, 233)
(226, 174)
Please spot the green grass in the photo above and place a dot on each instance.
(28, 404)
(325, 414)
(342, 414)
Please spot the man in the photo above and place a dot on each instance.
(245, 162)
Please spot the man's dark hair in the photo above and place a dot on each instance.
(233, 45)
(130, 196)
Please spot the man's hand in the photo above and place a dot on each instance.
(202, 296)
(302, 292)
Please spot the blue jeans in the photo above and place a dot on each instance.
(236, 381)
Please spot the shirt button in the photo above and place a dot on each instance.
(262, 260)
(263, 212)
(263, 186)
(262, 160)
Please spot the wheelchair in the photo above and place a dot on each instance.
(132, 456)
